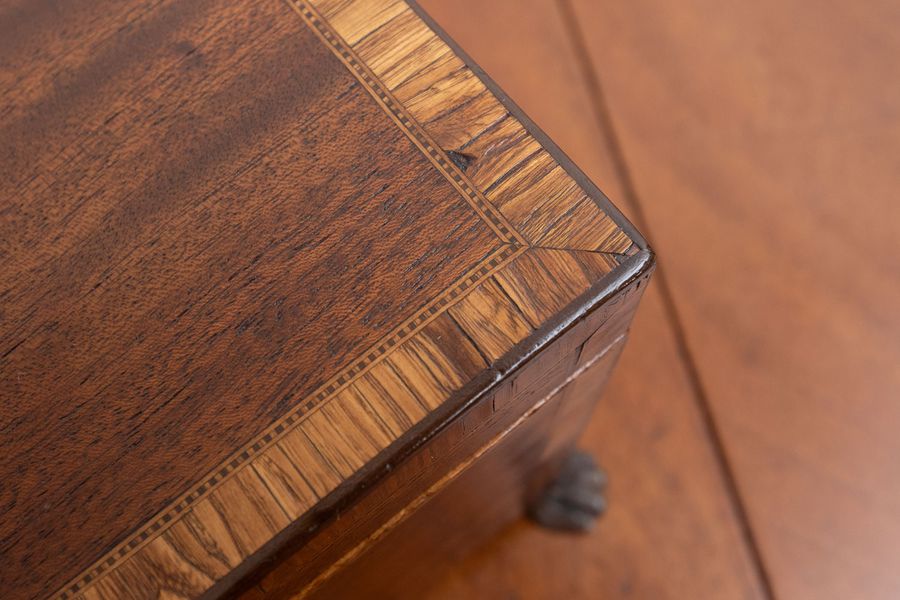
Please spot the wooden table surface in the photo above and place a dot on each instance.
(757, 144)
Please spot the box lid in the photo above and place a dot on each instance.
(247, 248)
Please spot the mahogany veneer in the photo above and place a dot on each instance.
(265, 264)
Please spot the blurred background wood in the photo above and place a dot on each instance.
(756, 451)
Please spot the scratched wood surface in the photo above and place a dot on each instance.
(247, 248)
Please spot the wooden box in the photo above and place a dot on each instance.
(293, 300)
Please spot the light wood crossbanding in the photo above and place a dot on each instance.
(554, 243)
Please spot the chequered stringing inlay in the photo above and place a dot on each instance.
(512, 244)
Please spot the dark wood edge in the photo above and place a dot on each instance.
(593, 192)
(635, 270)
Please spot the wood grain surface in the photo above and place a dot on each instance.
(232, 236)
(768, 131)
(670, 531)
(389, 553)
(190, 278)
(430, 541)
(774, 130)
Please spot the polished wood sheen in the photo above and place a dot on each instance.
(670, 531)
(251, 252)
(510, 440)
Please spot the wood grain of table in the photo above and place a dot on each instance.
(671, 531)
(768, 132)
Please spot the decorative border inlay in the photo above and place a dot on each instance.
(401, 116)
(367, 360)
(513, 245)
